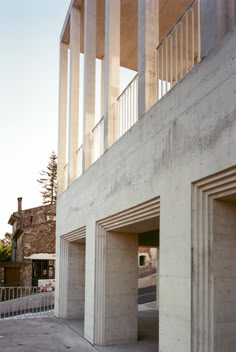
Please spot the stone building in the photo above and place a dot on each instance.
(160, 158)
(33, 246)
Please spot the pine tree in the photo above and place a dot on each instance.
(49, 181)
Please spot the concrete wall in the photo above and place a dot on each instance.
(187, 135)
(76, 280)
(224, 250)
(121, 287)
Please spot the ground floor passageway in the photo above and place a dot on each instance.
(147, 331)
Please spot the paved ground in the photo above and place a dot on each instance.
(52, 334)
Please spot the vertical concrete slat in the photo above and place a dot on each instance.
(112, 70)
(148, 39)
(74, 92)
(62, 116)
(89, 81)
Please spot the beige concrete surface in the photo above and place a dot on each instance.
(53, 334)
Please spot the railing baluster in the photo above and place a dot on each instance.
(166, 65)
(176, 54)
(199, 29)
(186, 19)
(178, 47)
(158, 75)
(171, 73)
(127, 107)
(162, 70)
(181, 50)
(192, 12)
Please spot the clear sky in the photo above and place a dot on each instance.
(29, 37)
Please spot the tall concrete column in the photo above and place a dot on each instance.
(217, 19)
(70, 279)
(62, 116)
(62, 268)
(103, 85)
(74, 91)
(112, 69)
(116, 288)
(89, 80)
(148, 39)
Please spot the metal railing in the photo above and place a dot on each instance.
(79, 161)
(98, 139)
(128, 107)
(18, 302)
(180, 50)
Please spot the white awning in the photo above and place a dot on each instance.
(45, 256)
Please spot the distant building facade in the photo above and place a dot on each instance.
(33, 246)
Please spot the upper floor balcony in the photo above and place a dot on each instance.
(158, 42)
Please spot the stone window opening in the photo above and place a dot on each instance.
(142, 260)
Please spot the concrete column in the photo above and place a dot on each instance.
(90, 267)
(74, 91)
(89, 80)
(76, 280)
(217, 19)
(62, 117)
(70, 279)
(157, 278)
(61, 292)
(175, 273)
(112, 69)
(224, 269)
(102, 85)
(148, 39)
(116, 288)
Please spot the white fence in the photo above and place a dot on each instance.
(18, 302)
(128, 107)
(180, 50)
(98, 139)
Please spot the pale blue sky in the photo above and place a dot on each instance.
(29, 37)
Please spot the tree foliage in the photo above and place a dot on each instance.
(48, 181)
(5, 248)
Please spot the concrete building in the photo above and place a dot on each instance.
(160, 158)
(33, 246)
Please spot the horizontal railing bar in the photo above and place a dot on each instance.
(102, 118)
(79, 148)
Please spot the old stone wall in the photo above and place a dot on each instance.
(26, 273)
(37, 235)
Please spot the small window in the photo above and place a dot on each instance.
(31, 219)
(142, 260)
